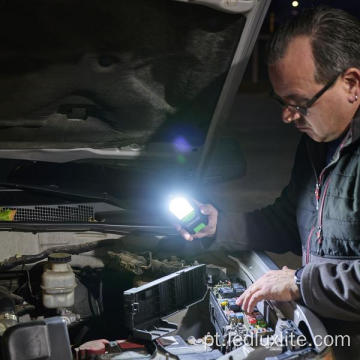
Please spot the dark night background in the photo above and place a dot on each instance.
(279, 11)
(283, 8)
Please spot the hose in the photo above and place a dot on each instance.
(17, 260)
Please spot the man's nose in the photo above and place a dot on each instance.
(289, 115)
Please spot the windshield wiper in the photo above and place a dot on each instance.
(62, 193)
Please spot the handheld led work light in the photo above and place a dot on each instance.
(188, 214)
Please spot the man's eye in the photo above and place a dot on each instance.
(301, 102)
(297, 104)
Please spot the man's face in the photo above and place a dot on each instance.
(293, 79)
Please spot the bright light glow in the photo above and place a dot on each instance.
(182, 145)
(295, 3)
(180, 207)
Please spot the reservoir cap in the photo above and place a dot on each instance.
(59, 258)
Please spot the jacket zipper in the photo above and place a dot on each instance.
(308, 245)
(320, 204)
(320, 213)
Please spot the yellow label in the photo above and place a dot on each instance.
(7, 215)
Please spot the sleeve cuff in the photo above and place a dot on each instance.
(306, 291)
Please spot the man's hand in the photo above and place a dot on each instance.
(209, 230)
(274, 285)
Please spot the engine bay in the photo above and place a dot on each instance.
(135, 307)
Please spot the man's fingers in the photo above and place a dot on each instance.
(209, 230)
(201, 234)
(240, 300)
(254, 299)
(274, 285)
(244, 299)
(207, 209)
(212, 215)
(183, 232)
(187, 236)
(250, 298)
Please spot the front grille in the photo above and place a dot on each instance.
(58, 213)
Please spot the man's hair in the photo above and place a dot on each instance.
(334, 36)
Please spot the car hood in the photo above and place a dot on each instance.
(105, 83)
(108, 74)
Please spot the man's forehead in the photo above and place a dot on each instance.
(295, 70)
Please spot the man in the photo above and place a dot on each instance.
(314, 68)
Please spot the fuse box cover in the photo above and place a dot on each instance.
(147, 305)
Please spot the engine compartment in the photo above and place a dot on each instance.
(111, 303)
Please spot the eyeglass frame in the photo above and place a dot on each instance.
(303, 109)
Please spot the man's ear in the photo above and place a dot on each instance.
(351, 80)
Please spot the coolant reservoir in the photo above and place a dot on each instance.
(58, 282)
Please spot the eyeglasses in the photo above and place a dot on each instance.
(303, 109)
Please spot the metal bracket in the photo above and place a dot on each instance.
(134, 308)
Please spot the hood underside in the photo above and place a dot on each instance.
(106, 74)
